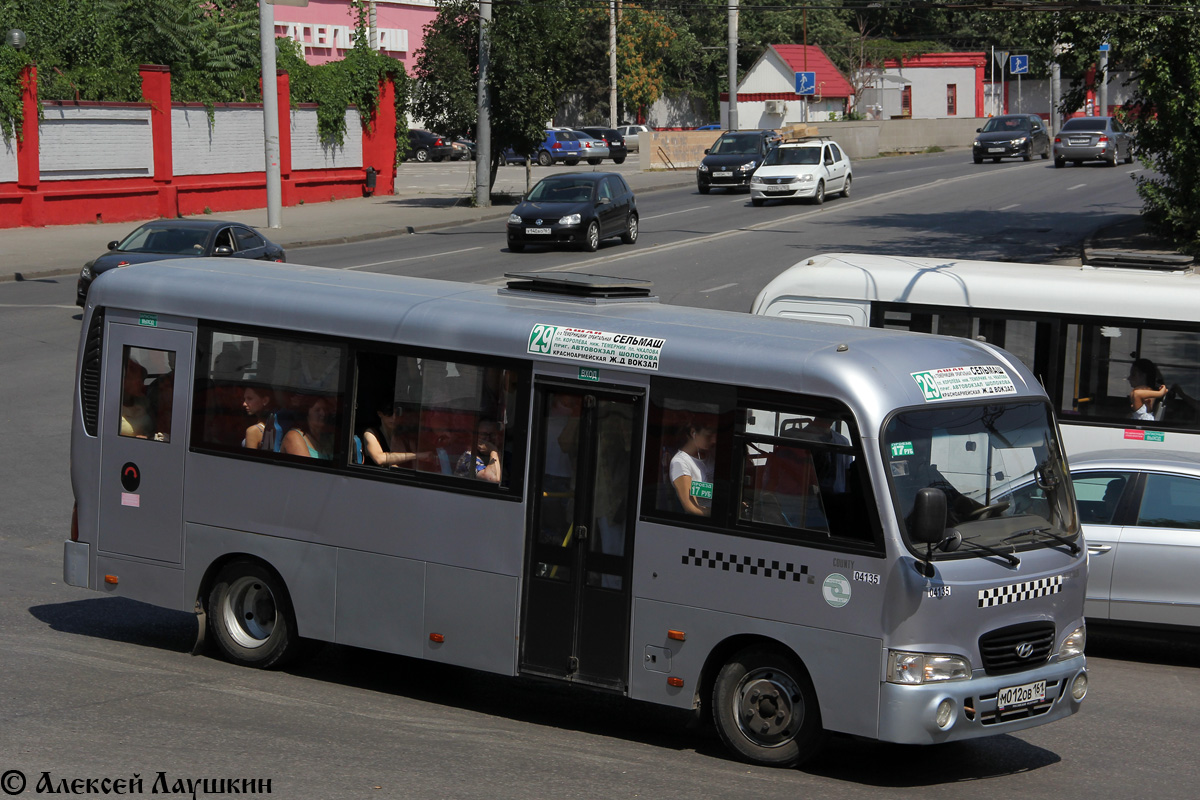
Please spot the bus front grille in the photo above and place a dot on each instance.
(1016, 647)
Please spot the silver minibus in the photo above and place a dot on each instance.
(792, 528)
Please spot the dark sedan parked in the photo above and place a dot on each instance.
(426, 146)
(575, 208)
(732, 159)
(615, 141)
(1011, 136)
(1093, 139)
(179, 238)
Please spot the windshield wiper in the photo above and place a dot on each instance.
(1073, 546)
(955, 540)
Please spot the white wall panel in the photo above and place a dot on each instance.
(232, 143)
(8, 160)
(309, 152)
(95, 142)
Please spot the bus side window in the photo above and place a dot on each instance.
(147, 393)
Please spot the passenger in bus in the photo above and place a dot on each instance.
(161, 395)
(1148, 389)
(136, 420)
(485, 462)
(691, 469)
(260, 404)
(314, 438)
(392, 442)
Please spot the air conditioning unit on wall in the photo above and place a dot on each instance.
(776, 106)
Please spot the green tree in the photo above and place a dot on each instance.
(532, 48)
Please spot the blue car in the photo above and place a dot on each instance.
(560, 146)
(712, 126)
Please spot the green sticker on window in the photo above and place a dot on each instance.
(702, 490)
(902, 449)
(1154, 436)
(149, 320)
(588, 374)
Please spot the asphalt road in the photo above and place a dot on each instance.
(97, 687)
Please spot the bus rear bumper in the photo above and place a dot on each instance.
(908, 714)
(75, 564)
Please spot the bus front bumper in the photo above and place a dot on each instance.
(909, 714)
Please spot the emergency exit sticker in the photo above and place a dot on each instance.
(959, 383)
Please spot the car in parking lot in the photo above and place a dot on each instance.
(617, 150)
(595, 149)
(1140, 512)
(712, 126)
(732, 159)
(808, 168)
(1011, 136)
(1093, 139)
(559, 146)
(580, 208)
(178, 238)
(426, 146)
(630, 134)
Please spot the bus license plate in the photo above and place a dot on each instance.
(1021, 696)
(722, 174)
(534, 231)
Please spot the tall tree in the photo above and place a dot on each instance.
(532, 47)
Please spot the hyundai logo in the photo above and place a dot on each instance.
(1024, 650)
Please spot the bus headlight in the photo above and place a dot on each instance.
(1073, 645)
(919, 668)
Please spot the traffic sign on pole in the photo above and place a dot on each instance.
(806, 83)
(1001, 58)
(1018, 65)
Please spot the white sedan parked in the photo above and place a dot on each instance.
(807, 168)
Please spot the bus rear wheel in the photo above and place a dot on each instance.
(765, 708)
(250, 616)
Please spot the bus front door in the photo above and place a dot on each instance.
(143, 428)
(575, 624)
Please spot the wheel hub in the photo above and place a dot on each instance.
(766, 707)
(250, 612)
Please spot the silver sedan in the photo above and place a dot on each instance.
(1093, 139)
(1140, 511)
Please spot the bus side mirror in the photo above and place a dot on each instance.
(929, 516)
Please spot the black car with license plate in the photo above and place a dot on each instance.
(580, 208)
(732, 159)
(179, 238)
(1011, 136)
(617, 150)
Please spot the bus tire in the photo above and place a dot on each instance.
(765, 708)
(250, 616)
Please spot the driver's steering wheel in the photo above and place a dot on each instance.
(989, 510)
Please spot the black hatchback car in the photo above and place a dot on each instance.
(426, 146)
(179, 238)
(575, 208)
(1011, 135)
(615, 141)
(732, 159)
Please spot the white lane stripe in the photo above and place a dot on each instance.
(414, 258)
(1076, 186)
(1006, 208)
(717, 288)
(680, 211)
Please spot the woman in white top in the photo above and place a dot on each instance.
(1148, 388)
(692, 465)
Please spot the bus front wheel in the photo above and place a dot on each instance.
(765, 708)
(251, 616)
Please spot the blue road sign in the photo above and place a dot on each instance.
(806, 83)
(1018, 65)
(1104, 48)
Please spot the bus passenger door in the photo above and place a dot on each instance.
(575, 621)
(144, 431)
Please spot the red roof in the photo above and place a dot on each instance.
(811, 58)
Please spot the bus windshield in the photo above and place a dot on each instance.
(999, 465)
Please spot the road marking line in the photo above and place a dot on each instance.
(414, 258)
(681, 211)
(718, 288)
(1076, 186)
(1006, 208)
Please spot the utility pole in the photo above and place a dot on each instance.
(270, 92)
(1055, 89)
(374, 28)
(1102, 92)
(483, 130)
(612, 63)
(733, 31)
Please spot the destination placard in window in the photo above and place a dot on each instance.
(602, 347)
(959, 383)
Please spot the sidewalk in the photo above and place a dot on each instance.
(27, 253)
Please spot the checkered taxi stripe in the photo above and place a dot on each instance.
(755, 566)
(1016, 592)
